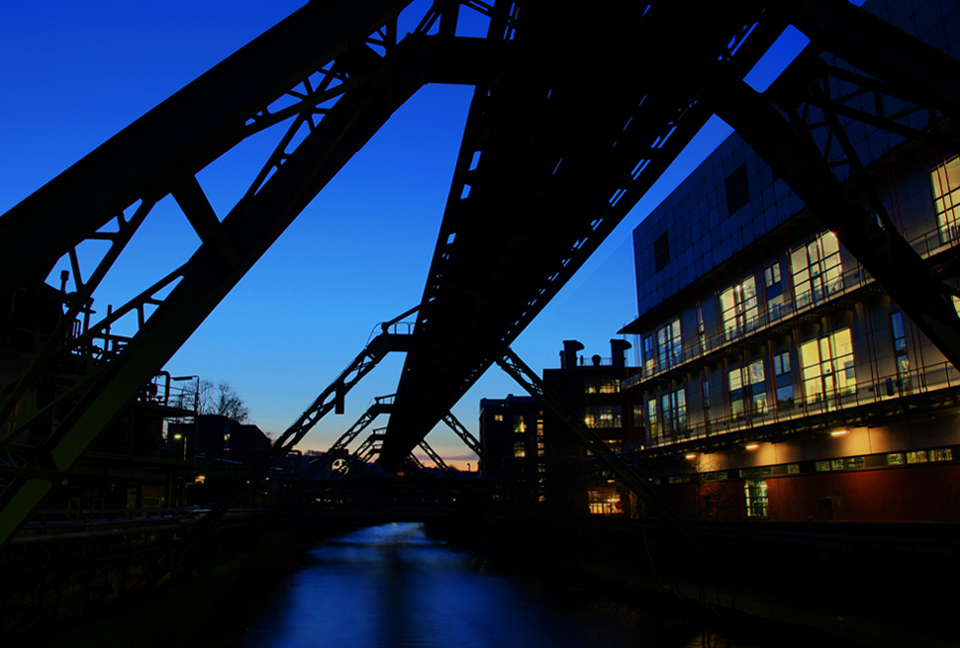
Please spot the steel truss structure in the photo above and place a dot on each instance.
(799, 127)
(575, 115)
(517, 369)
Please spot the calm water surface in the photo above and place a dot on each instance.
(391, 586)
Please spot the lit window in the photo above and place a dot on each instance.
(669, 345)
(854, 463)
(498, 417)
(649, 355)
(604, 500)
(519, 449)
(758, 389)
(653, 430)
(827, 368)
(894, 459)
(945, 183)
(602, 416)
(755, 492)
(673, 407)
(943, 454)
(784, 381)
(738, 307)
(602, 386)
(748, 392)
(774, 291)
(638, 415)
(817, 271)
(771, 275)
(610, 386)
(917, 457)
(519, 425)
(903, 384)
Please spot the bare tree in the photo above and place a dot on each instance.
(222, 399)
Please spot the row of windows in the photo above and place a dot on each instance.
(829, 465)
(602, 416)
(602, 386)
(817, 274)
(945, 184)
(827, 375)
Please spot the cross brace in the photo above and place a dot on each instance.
(884, 253)
(330, 398)
(525, 376)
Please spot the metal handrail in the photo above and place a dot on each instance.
(885, 388)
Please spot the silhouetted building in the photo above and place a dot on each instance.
(511, 435)
(591, 388)
(223, 450)
(127, 466)
(778, 380)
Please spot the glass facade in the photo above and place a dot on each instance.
(817, 270)
(945, 184)
(827, 368)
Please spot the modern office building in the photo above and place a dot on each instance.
(778, 379)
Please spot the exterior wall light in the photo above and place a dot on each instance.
(691, 456)
(838, 433)
(753, 446)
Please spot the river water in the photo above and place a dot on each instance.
(391, 586)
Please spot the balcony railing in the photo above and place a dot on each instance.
(942, 376)
(711, 341)
(927, 243)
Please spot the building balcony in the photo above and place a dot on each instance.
(937, 244)
(748, 330)
(886, 397)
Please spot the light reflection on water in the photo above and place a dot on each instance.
(391, 586)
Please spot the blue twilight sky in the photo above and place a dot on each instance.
(72, 74)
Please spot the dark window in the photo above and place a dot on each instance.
(661, 252)
(738, 189)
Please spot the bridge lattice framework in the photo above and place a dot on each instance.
(574, 116)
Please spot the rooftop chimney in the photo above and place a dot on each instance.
(618, 349)
(568, 358)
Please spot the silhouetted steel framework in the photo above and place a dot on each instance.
(575, 115)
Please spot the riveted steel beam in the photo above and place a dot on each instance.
(882, 50)
(182, 135)
(229, 246)
(882, 251)
(514, 367)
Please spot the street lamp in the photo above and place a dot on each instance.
(196, 410)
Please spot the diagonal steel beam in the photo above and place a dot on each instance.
(514, 367)
(183, 134)
(249, 230)
(884, 253)
(881, 49)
